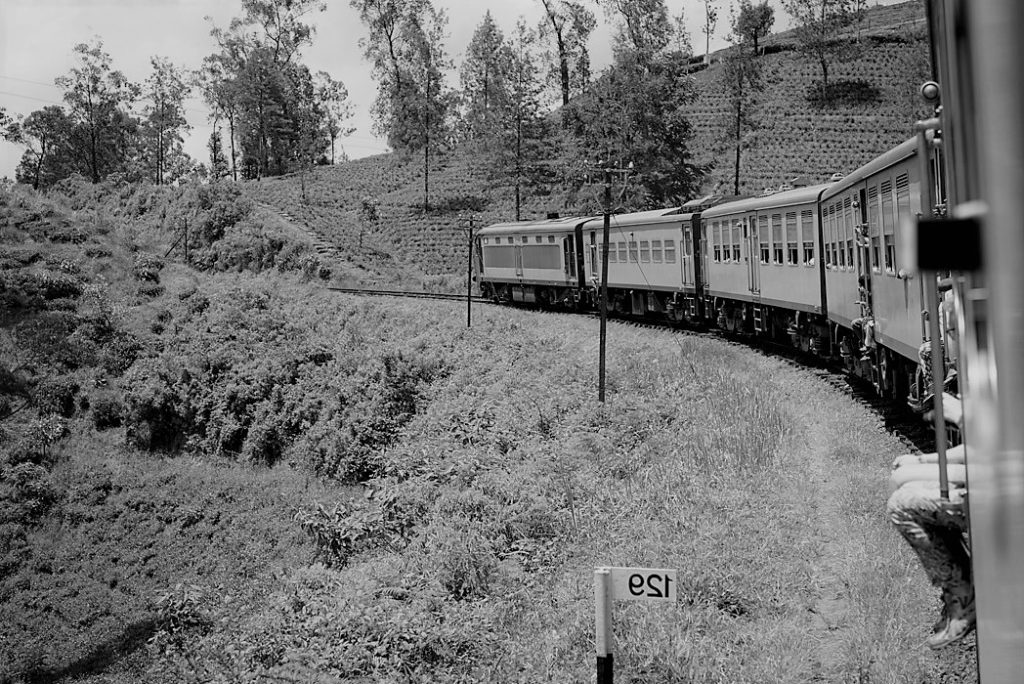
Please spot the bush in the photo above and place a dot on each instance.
(107, 412)
(55, 396)
(147, 267)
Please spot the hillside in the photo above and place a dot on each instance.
(796, 138)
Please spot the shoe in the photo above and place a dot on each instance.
(960, 620)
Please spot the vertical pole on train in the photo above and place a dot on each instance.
(604, 283)
(469, 278)
(604, 640)
(937, 362)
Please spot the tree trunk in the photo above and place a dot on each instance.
(736, 176)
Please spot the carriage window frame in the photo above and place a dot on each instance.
(737, 240)
(716, 242)
(873, 229)
(792, 239)
(656, 251)
(623, 252)
(888, 227)
(645, 251)
(807, 236)
(633, 252)
(670, 251)
(763, 238)
(777, 244)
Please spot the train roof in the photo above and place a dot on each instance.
(641, 218)
(563, 224)
(897, 154)
(776, 200)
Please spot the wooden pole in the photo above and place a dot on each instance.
(604, 641)
(604, 282)
(469, 278)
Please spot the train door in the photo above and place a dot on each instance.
(518, 247)
(595, 258)
(864, 263)
(750, 231)
(569, 257)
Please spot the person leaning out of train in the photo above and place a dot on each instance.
(936, 529)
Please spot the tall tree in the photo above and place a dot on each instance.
(45, 133)
(265, 81)
(335, 108)
(754, 22)
(819, 24)
(428, 101)
(525, 136)
(484, 79)
(217, 84)
(569, 24)
(634, 113)
(98, 100)
(710, 21)
(642, 26)
(164, 123)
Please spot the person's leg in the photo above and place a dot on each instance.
(934, 528)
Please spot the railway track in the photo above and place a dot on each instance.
(893, 417)
(410, 295)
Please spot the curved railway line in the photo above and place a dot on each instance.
(893, 417)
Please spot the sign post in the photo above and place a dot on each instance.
(624, 584)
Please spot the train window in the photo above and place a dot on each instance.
(762, 238)
(792, 248)
(485, 240)
(838, 245)
(777, 238)
(850, 221)
(873, 225)
(645, 251)
(737, 240)
(632, 251)
(551, 238)
(670, 251)
(888, 230)
(716, 240)
(807, 233)
(622, 252)
(828, 232)
(538, 239)
(656, 251)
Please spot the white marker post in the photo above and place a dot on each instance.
(629, 584)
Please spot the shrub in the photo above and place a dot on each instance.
(107, 412)
(147, 267)
(55, 395)
(26, 492)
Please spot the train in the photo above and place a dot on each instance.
(815, 266)
(858, 269)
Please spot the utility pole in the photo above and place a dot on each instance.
(608, 170)
(469, 278)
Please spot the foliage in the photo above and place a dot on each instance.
(818, 27)
(753, 22)
(568, 24)
(280, 118)
(164, 122)
(634, 113)
(99, 99)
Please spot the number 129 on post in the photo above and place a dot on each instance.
(643, 584)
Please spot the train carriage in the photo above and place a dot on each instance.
(652, 262)
(763, 271)
(863, 219)
(532, 262)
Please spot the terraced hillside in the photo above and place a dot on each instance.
(876, 106)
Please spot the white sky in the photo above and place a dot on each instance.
(37, 38)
